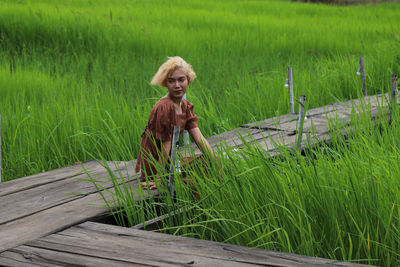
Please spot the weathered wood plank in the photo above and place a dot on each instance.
(30, 201)
(272, 122)
(31, 256)
(52, 176)
(240, 141)
(338, 114)
(12, 259)
(49, 221)
(347, 106)
(233, 134)
(133, 256)
(276, 122)
(57, 218)
(232, 139)
(130, 245)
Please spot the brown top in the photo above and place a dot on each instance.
(159, 129)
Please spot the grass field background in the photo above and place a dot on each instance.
(74, 85)
(74, 76)
(339, 201)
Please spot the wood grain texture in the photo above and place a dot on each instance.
(282, 131)
(32, 256)
(28, 182)
(59, 217)
(112, 243)
(22, 184)
(45, 196)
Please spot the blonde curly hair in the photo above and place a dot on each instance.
(171, 65)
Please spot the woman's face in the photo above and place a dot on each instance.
(177, 84)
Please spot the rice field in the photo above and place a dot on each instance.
(74, 85)
(74, 76)
(337, 201)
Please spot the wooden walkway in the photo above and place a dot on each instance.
(281, 131)
(44, 218)
(94, 244)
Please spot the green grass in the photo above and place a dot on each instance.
(74, 76)
(338, 201)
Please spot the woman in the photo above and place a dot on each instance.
(155, 148)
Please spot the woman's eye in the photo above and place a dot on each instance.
(181, 80)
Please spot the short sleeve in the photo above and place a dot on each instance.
(161, 122)
(191, 118)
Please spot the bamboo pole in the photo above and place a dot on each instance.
(392, 97)
(300, 121)
(0, 149)
(185, 133)
(173, 166)
(289, 84)
(361, 71)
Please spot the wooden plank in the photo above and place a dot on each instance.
(339, 112)
(278, 141)
(30, 201)
(226, 136)
(240, 141)
(345, 106)
(276, 122)
(272, 122)
(89, 256)
(31, 256)
(374, 101)
(39, 179)
(57, 218)
(322, 110)
(12, 259)
(321, 133)
(290, 127)
(150, 248)
(49, 221)
(233, 138)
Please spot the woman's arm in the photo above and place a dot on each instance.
(166, 148)
(203, 144)
(200, 141)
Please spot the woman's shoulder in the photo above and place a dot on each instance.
(161, 112)
(187, 104)
(163, 103)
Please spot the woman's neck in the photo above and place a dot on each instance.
(177, 101)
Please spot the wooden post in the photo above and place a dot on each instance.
(393, 97)
(289, 84)
(185, 133)
(0, 148)
(173, 165)
(300, 121)
(361, 71)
